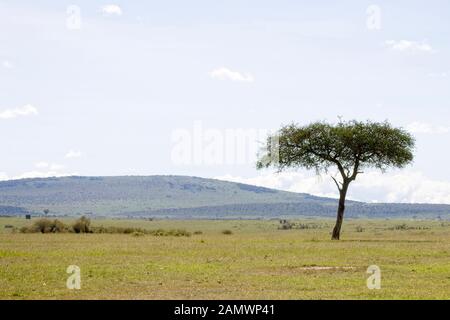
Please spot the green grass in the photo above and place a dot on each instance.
(256, 261)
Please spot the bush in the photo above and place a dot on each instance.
(42, 226)
(304, 226)
(404, 226)
(58, 226)
(175, 233)
(82, 225)
(45, 226)
(227, 232)
(129, 230)
(25, 230)
(359, 229)
(285, 225)
(198, 232)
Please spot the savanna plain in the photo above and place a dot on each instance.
(229, 259)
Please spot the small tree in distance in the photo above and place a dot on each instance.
(347, 146)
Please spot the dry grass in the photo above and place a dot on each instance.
(256, 261)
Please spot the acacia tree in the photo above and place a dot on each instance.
(347, 146)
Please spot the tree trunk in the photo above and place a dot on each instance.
(340, 213)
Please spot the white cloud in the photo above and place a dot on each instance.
(27, 110)
(421, 127)
(438, 74)
(49, 166)
(223, 73)
(410, 187)
(42, 174)
(409, 46)
(373, 186)
(73, 154)
(111, 9)
(56, 167)
(44, 170)
(7, 64)
(42, 164)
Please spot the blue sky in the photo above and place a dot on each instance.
(109, 98)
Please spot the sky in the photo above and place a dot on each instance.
(193, 87)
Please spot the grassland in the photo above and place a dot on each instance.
(256, 261)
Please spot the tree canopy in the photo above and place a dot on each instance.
(351, 146)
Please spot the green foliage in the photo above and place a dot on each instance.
(347, 145)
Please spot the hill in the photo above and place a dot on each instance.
(180, 197)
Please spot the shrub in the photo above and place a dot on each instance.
(175, 232)
(303, 226)
(58, 226)
(129, 230)
(180, 233)
(42, 226)
(82, 225)
(198, 232)
(227, 232)
(285, 225)
(45, 226)
(25, 230)
(359, 229)
(404, 226)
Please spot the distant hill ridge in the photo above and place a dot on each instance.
(181, 197)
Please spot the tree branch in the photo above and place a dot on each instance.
(337, 184)
(355, 170)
